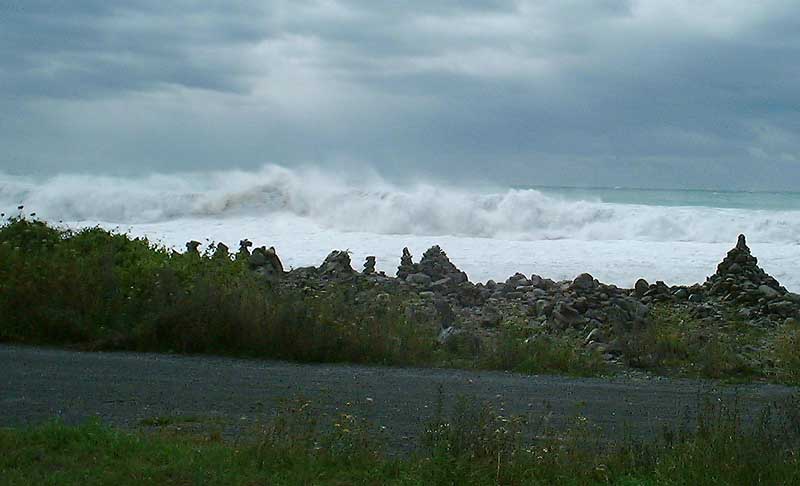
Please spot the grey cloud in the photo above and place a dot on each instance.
(616, 92)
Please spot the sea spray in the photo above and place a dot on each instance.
(332, 202)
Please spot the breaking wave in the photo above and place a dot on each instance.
(331, 201)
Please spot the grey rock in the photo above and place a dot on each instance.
(566, 314)
(768, 291)
(681, 294)
(695, 298)
(419, 279)
(594, 335)
(584, 281)
(641, 287)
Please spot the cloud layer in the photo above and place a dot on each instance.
(653, 93)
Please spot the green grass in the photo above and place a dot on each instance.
(787, 353)
(470, 445)
(541, 354)
(676, 342)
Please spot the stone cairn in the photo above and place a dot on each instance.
(244, 249)
(739, 280)
(434, 270)
(369, 266)
(439, 268)
(192, 247)
(407, 266)
(222, 251)
(265, 262)
(337, 265)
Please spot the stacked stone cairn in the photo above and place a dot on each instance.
(337, 266)
(192, 247)
(406, 265)
(741, 282)
(265, 263)
(222, 251)
(369, 266)
(244, 249)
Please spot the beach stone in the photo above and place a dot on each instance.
(594, 335)
(419, 279)
(783, 308)
(695, 298)
(584, 281)
(681, 294)
(641, 287)
(565, 314)
(768, 291)
(490, 317)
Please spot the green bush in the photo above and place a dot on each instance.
(104, 290)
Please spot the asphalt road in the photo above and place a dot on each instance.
(125, 389)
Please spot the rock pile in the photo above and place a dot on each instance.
(598, 315)
(739, 280)
(244, 249)
(369, 266)
(192, 247)
(406, 265)
(337, 266)
(222, 251)
(439, 268)
(434, 270)
(265, 262)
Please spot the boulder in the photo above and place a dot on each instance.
(420, 279)
(584, 282)
(768, 291)
(641, 287)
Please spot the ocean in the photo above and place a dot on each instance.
(616, 234)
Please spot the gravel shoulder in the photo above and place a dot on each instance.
(125, 389)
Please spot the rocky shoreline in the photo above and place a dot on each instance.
(599, 316)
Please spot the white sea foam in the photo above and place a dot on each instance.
(490, 234)
(376, 206)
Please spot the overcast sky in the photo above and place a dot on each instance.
(644, 93)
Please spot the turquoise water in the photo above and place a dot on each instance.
(786, 201)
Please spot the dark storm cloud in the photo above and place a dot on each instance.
(613, 92)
